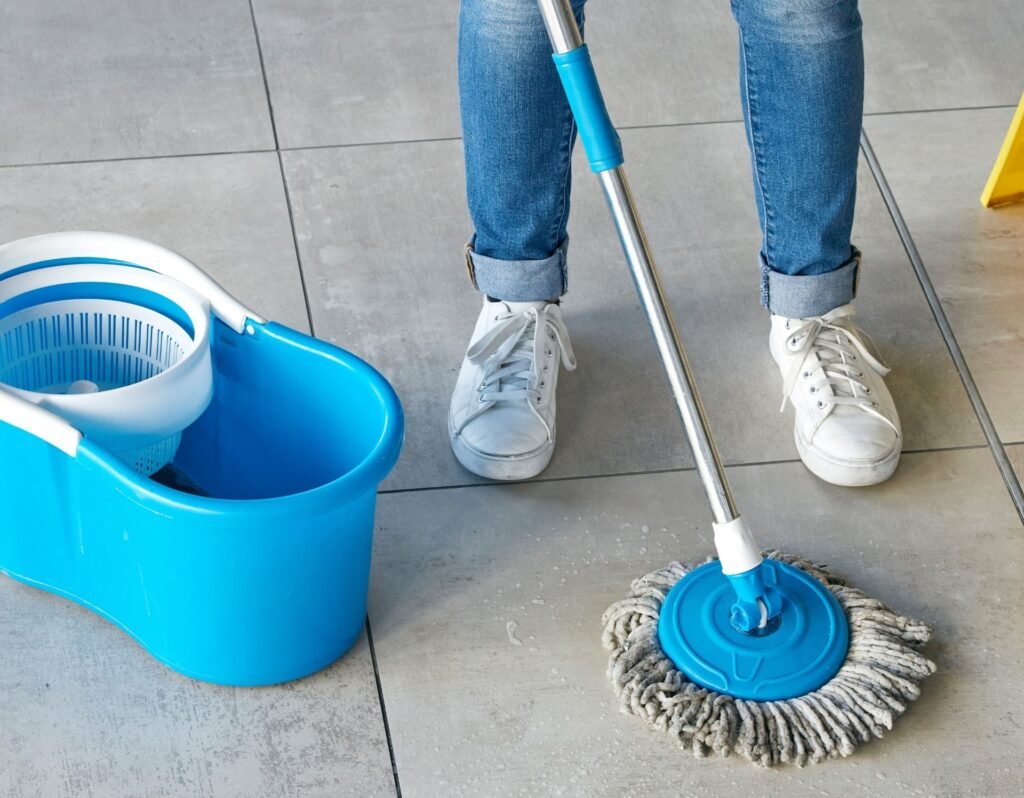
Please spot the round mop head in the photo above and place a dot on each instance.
(872, 686)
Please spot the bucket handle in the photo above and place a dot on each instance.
(52, 249)
(38, 421)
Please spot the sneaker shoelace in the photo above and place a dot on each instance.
(842, 354)
(510, 351)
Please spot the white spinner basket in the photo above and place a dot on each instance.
(120, 352)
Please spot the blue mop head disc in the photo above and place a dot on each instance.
(797, 652)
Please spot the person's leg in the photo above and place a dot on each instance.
(518, 135)
(802, 88)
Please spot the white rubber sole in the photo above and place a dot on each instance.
(846, 473)
(507, 469)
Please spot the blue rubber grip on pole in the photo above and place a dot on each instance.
(604, 150)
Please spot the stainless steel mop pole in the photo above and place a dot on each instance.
(740, 557)
(565, 38)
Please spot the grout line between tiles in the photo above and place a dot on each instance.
(351, 144)
(263, 74)
(959, 361)
(345, 145)
(280, 166)
(383, 709)
(618, 474)
(942, 110)
(295, 243)
(159, 157)
(656, 126)
(699, 123)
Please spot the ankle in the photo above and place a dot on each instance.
(555, 301)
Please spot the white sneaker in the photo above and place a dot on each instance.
(847, 430)
(502, 418)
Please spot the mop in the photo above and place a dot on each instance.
(765, 654)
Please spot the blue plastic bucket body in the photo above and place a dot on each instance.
(264, 578)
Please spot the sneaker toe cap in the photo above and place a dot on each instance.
(858, 438)
(505, 432)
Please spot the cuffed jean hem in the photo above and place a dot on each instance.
(519, 280)
(803, 296)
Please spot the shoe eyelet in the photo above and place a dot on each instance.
(821, 405)
(813, 389)
(867, 392)
(548, 352)
(551, 336)
(547, 368)
(874, 404)
(542, 383)
(807, 375)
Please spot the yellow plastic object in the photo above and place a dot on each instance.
(1006, 183)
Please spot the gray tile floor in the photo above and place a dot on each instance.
(335, 203)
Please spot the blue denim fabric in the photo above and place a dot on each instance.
(801, 87)
(518, 135)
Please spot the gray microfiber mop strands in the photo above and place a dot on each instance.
(873, 687)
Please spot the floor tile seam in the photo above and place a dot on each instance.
(649, 472)
(981, 412)
(281, 170)
(131, 158)
(943, 110)
(383, 710)
(263, 75)
(432, 139)
(650, 126)
(295, 243)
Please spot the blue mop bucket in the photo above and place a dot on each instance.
(245, 559)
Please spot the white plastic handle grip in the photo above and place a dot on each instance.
(114, 246)
(37, 421)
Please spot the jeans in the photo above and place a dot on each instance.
(801, 87)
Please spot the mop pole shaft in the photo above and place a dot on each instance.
(592, 119)
(670, 347)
